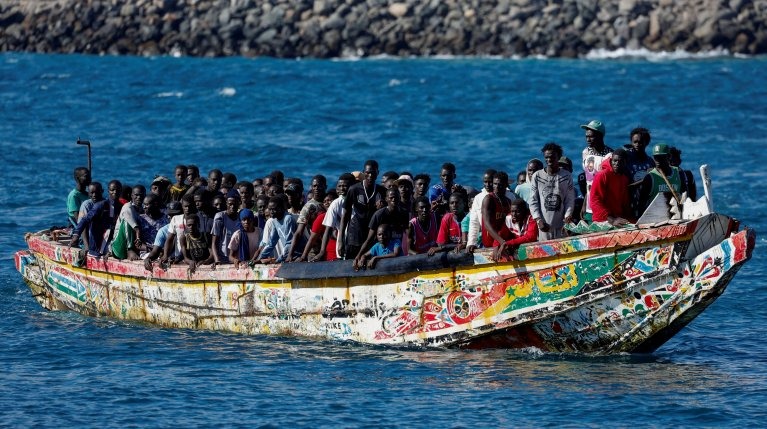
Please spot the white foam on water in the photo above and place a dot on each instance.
(177, 94)
(227, 92)
(395, 82)
(643, 53)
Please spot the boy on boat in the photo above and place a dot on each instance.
(359, 206)
(440, 192)
(278, 233)
(392, 215)
(225, 223)
(522, 227)
(178, 189)
(593, 154)
(422, 233)
(98, 226)
(495, 207)
(421, 184)
(79, 194)
(454, 228)
(386, 247)
(610, 198)
(475, 211)
(195, 245)
(243, 247)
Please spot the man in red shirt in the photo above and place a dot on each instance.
(609, 196)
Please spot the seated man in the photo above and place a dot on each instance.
(128, 228)
(495, 207)
(195, 245)
(522, 227)
(95, 194)
(423, 229)
(243, 247)
(664, 178)
(386, 247)
(278, 233)
(454, 229)
(78, 195)
(99, 223)
(151, 221)
(610, 198)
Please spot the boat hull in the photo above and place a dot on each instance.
(619, 291)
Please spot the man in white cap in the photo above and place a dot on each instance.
(595, 152)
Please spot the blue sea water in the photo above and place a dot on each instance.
(145, 115)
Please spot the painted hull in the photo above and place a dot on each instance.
(618, 291)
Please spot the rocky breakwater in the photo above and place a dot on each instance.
(331, 28)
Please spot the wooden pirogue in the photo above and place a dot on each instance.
(622, 290)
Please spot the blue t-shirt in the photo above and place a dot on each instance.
(379, 250)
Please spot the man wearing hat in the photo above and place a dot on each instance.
(663, 178)
(595, 152)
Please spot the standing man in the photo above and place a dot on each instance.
(475, 211)
(610, 201)
(359, 207)
(78, 195)
(439, 194)
(593, 155)
(553, 195)
(638, 165)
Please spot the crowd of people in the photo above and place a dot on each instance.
(219, 220)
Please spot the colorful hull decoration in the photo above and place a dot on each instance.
(627, 290)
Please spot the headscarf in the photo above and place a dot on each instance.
(244, 250)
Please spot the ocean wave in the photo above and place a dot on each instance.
(227, 92)
(644, 53)
(177, 94)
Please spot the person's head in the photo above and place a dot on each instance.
(370, 171)
(274, 190)
(219, 203)
(519, 211)
(566, 163)
(447, 174)
(618, 160)
(405, 188)
(319, 187)
(258, 182)
(421, 184)
(389, 179)
(246, 191)
(392, 197)
(276, 207)
(595, 134)
(137, 195)
(344, 182)
(551, 154)
(180, 173)
(160, 186)
(674, 156)
(192, 223)
(521, 177)
(215, 178)
(187, 204)
(192, 173)
(173, 208)
(383, 234)
(278, 177)
(422, 208)
(294, 194)
(640, 139)
(329, 198)
(152, 206)
(261, 202)
(458, 202)
(487, 179)
(660, 153)
(247, 219)
(96, 191)
(232, 202)
(126, 194)
(202, 199)
(228, 180)
(82, 178)
(500, 183)
(533, 165)
(115, 189)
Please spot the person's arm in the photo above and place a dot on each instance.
(488, 210)
(296, 239)
(268, 240)
(692, 189)
(644, 193)
(187, 258)
(411, 238)
(396, 252)
(234, 249)
(313, 238)
(341, 240)
(597, 197)
(170, 244)
(535, 205)
(569, 199)
(320, 256)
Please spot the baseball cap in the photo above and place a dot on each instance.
(660, 149)
(404, 178)
(595, 125)
(173, 208)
